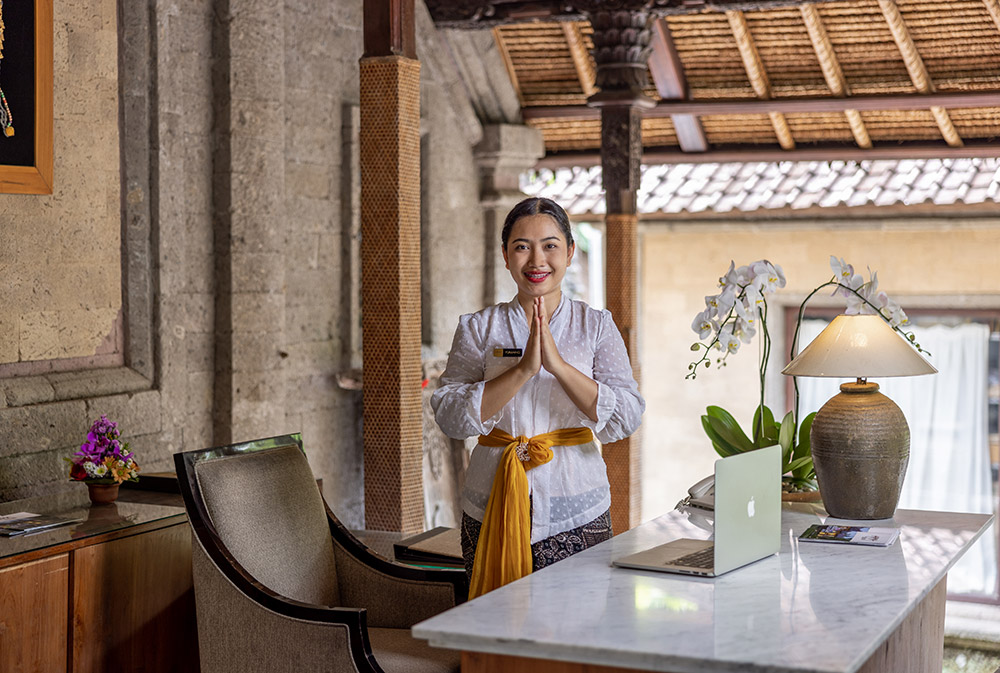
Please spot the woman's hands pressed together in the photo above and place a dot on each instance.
(548, 352)
(540, 352)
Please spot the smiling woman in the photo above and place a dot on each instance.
(541, 379)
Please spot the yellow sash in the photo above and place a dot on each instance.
(503, 553)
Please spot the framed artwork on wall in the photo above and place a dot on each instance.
(26, 83)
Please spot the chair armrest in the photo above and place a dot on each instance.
(346, 542)
(392, 601)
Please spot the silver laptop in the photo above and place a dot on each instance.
(747, 521)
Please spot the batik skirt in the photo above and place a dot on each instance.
(544, 552)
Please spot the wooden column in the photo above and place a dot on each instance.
(390, 267)
(621, 47)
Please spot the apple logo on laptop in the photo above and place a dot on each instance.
(751, 508)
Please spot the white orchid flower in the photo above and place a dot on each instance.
(727, 342)
(743, 330)
(730, 277)
(841, 269)
(766, 277)
(743, 276)
(704, 325)
(845, 277)
(746, 314)
(754, 300)
(712, 305)
(725, 301)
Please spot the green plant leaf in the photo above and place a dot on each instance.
(726, 429)
(797, 464)
(809, 484)
(762, 430)
(804, 447)
(721, 446)
(786, 435)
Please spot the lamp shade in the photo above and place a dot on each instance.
(858, 346)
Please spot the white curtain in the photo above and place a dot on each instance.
(949, 468)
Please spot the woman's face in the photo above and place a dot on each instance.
(537, 255)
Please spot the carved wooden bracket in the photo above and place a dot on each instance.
(621, 48)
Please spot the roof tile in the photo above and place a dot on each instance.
(697, 188)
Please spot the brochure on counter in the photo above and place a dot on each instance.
(860, 535)
(20, 523)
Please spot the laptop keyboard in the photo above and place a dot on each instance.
(699, 559)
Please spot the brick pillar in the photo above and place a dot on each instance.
(249, 205)
(621, 48)
(506, 151)
(620, 157)
(390, 268)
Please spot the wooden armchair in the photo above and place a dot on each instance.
(281, 585)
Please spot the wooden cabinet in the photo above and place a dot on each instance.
(90, 600)
(33, 615)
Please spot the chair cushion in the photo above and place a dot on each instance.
(267, 509)
(396, 651)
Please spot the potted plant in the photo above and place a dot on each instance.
(103, 462)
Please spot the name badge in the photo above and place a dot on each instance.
(506, 352)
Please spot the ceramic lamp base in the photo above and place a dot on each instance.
(102, 494)
(860, 448)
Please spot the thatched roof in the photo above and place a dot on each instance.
(859, 79)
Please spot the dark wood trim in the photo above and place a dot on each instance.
(477, 14)
(666, 108)
(819, 152)
(389, 28)
(668, 75)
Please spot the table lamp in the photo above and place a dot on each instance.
(860, 439)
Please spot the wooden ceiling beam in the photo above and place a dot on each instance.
(508, 64)
(584, 65)
(832, 72)
(668, 75)
(758, 75)
(744, 106)
(993, 7)
(915, 66)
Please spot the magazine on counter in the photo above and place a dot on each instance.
(861, 535)
(27, 522)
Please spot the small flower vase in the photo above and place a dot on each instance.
(102, 494)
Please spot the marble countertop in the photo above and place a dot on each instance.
(812, 608)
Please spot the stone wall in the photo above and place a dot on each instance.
(235, 199)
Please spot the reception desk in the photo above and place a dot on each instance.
(813, 607)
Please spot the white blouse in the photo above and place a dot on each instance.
(572, 489)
